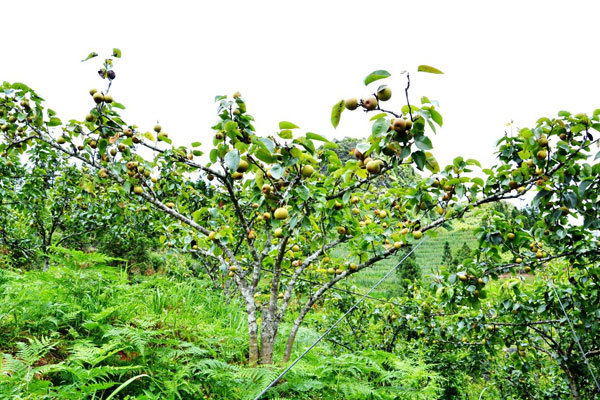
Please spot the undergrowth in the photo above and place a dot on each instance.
(86, 329)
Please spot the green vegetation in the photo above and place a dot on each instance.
(225, 268)
(85, 327)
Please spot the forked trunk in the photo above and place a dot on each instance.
(268, 334)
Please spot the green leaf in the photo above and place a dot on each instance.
(91, 55)
(277, 171)
(380, 126)
(286, 134)
(472, 161)
(363, 147)
(525, 133)
(265, 156)
(118, 105)
(164, 138)
(196, 144)
(116, 53)
(287, 125)
(102, 145)
(149, 136)
(197, 215)
(524, 154)
(429, 69)
(232, 159)
(423, 143)
(376, 75)
(437, 117)
(380, 115)
(268, 143)
(314, 136)
(231, 126)
(419, 158)
(54, 121)
(336, 113)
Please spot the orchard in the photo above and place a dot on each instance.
(266, 214)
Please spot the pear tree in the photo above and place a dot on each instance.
(275, 218)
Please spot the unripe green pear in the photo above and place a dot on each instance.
(384, 93)
(351, 104)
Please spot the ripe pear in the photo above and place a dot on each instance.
(212, 235)
(278, 233)
(295, 248)
(157, 128)
(541, 155)
(351, 104)
(543, 141)
(108, 99)
(266, 189)
(417, 235)
(281, 213)
(138, 190)
(399, 125)
(370, 103)
(93, 91)
(341, 230)
(510, 236)
(89, 118)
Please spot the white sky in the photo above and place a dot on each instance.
(503, 61)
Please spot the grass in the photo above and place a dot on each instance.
(86, 329)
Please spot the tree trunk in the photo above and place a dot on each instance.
(575, 395)
(268, 333)
(252, 326)
(267, 342)
(292, 337)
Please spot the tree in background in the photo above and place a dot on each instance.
(461, 254)
(447, 255)
(409, 274)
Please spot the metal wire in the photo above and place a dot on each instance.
(338, 321)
